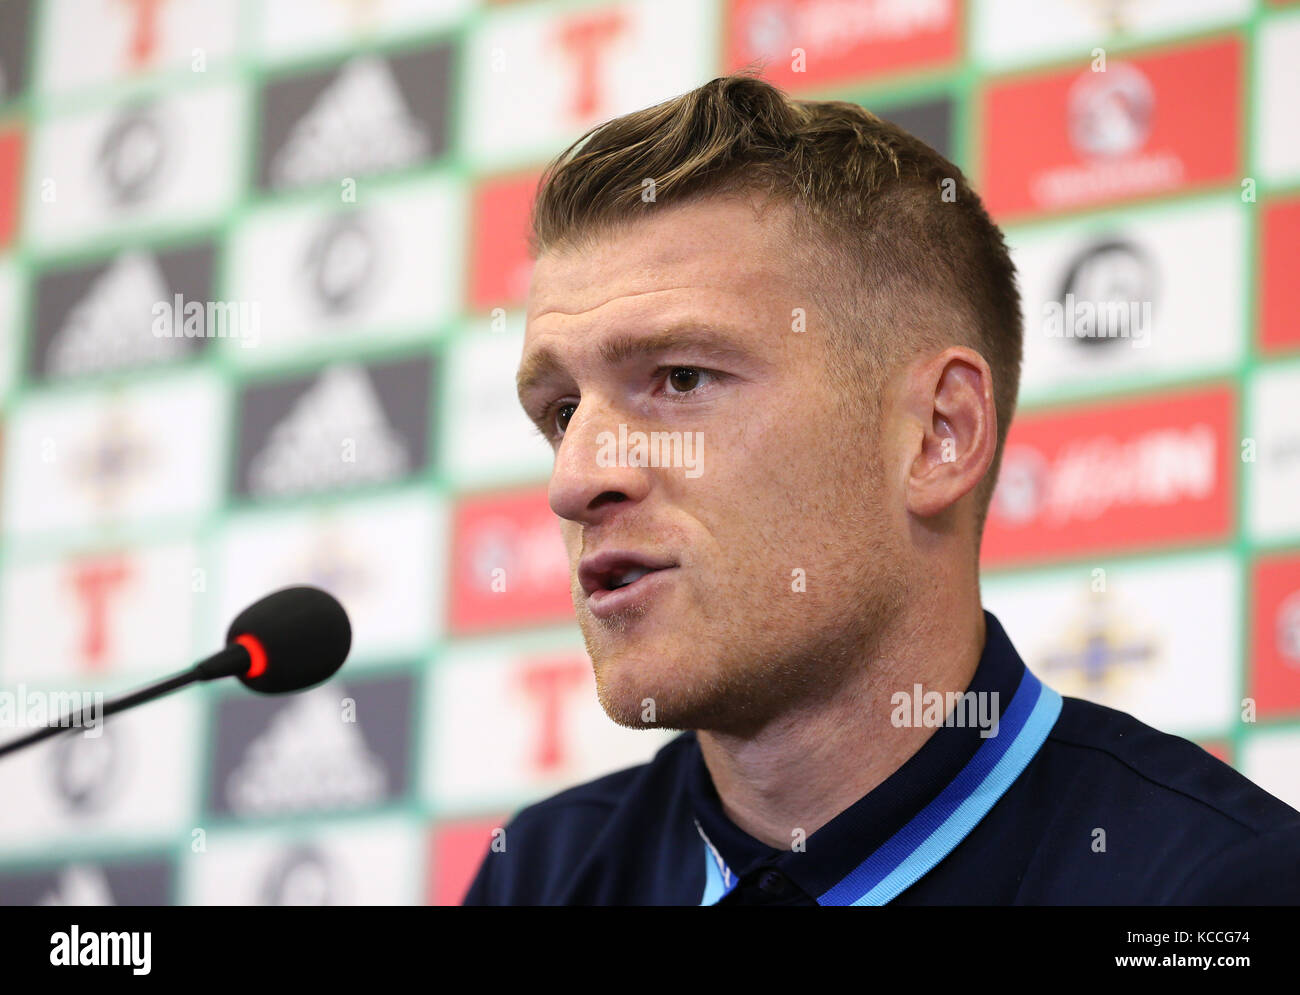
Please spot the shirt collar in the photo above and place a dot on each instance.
(840, 846)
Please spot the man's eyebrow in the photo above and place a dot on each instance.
(700, 339)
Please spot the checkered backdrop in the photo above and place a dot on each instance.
(261, 277)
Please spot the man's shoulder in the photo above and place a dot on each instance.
(597, 798)
(1192, 822)
(557, 850)
(1113, 749)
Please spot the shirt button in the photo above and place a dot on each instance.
(772, 882)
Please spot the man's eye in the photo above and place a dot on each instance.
(563, 413)
(680, 379)
(685, 383)
(684, 378)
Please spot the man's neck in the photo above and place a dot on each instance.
(812, 763)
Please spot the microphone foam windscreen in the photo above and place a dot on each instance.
(305, 633)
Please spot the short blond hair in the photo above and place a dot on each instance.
(906, 251)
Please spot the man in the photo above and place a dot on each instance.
(776, 346)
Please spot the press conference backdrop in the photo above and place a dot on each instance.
(261, 282)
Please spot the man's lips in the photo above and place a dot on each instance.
(615, 579)
(613, 568)
(604, 603)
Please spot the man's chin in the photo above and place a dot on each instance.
(646, 712)
(658, 696)
(638, 695)
(656, 677)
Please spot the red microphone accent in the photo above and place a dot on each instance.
(256, 652)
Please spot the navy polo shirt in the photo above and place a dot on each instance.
(1069, 803)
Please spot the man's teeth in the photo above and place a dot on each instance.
(623, 579)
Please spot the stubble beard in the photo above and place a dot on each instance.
(795, 651)
(736, 683)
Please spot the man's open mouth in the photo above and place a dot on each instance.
(623, 579)
(612, 580)
(615, 569)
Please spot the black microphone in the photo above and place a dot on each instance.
(291, 640)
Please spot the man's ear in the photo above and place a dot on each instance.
(951, 397)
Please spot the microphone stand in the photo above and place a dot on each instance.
(232, 660)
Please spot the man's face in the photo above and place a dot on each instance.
(770, 545)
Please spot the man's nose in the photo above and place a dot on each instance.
(592, 477)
